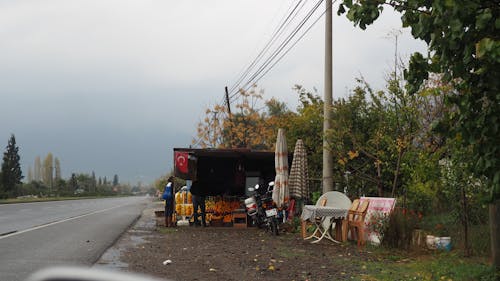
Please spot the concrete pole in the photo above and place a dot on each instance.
(327, 154)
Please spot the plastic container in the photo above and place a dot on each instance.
(444, 243)
(430, 240)
(251, 206)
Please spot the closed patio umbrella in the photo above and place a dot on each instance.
(280, 192)
(299, 188)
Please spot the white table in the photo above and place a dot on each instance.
(323, 218)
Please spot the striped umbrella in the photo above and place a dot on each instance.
(298, 173)
(280, 192)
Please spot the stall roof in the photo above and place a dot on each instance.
(229, 153)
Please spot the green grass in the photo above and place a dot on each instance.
(438, 266)
(166, 230)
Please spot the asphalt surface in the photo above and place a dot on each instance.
(38, 235)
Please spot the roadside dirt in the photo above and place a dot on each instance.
(226, 253)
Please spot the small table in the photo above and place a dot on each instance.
(326, 215)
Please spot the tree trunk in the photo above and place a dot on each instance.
(379, 181)
(396, 173)
(494, 231)
(465, 222)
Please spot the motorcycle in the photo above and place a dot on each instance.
(261, 209)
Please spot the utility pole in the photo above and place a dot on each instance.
(328, 97)
(230, 119)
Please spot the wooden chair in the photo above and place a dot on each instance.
(341, 232)
(356, 220)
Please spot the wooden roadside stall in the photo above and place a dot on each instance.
(224, 175)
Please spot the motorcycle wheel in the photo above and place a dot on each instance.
(274, 227)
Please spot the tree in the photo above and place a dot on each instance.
(73, 183)
(11, 167)
(464, 45)
(307, 125)
(94, 182)
(57, 165)
(38, 169)
(246, 127)
(115, 180)
(47, 169)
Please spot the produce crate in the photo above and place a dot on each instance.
(239, 218)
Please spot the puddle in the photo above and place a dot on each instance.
(111, 260)
(133, 238)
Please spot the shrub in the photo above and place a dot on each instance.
(400, 226)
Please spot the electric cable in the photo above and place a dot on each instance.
(280, 48)
(288, 50)
(279, 30)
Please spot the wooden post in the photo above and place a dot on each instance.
(494, 233)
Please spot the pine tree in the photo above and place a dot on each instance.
(11, 167)
(115, 180)
(73, 182)
(94, 182)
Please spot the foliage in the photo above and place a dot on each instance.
(47, 169)
(245, 127)
(464, 45)
(11, 174)
(458, 180)
(442, 266)
(307, 125)
(378, 223)
(373, 138)
(400, 227)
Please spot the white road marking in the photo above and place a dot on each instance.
(60, 221)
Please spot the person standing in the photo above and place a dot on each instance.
(198, 202)
(168, 196)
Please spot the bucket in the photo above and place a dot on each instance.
(430, 240)
(444, 243)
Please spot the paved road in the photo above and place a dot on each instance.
(61, 233)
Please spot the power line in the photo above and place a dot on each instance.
(279, 30)
(289, 49)
(280, 48)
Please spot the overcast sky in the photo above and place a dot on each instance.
(114, 86)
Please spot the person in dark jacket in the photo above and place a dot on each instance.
(169, 202)
(198, 202)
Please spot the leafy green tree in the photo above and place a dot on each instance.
(11, 167)
(73, 183)
(307, 124)
(464, 45)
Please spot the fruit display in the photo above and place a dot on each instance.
(183, 203)
(219, 208)
(183, 197)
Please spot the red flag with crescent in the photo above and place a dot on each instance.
(181, 162)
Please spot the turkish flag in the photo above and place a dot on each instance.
(181, 162)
